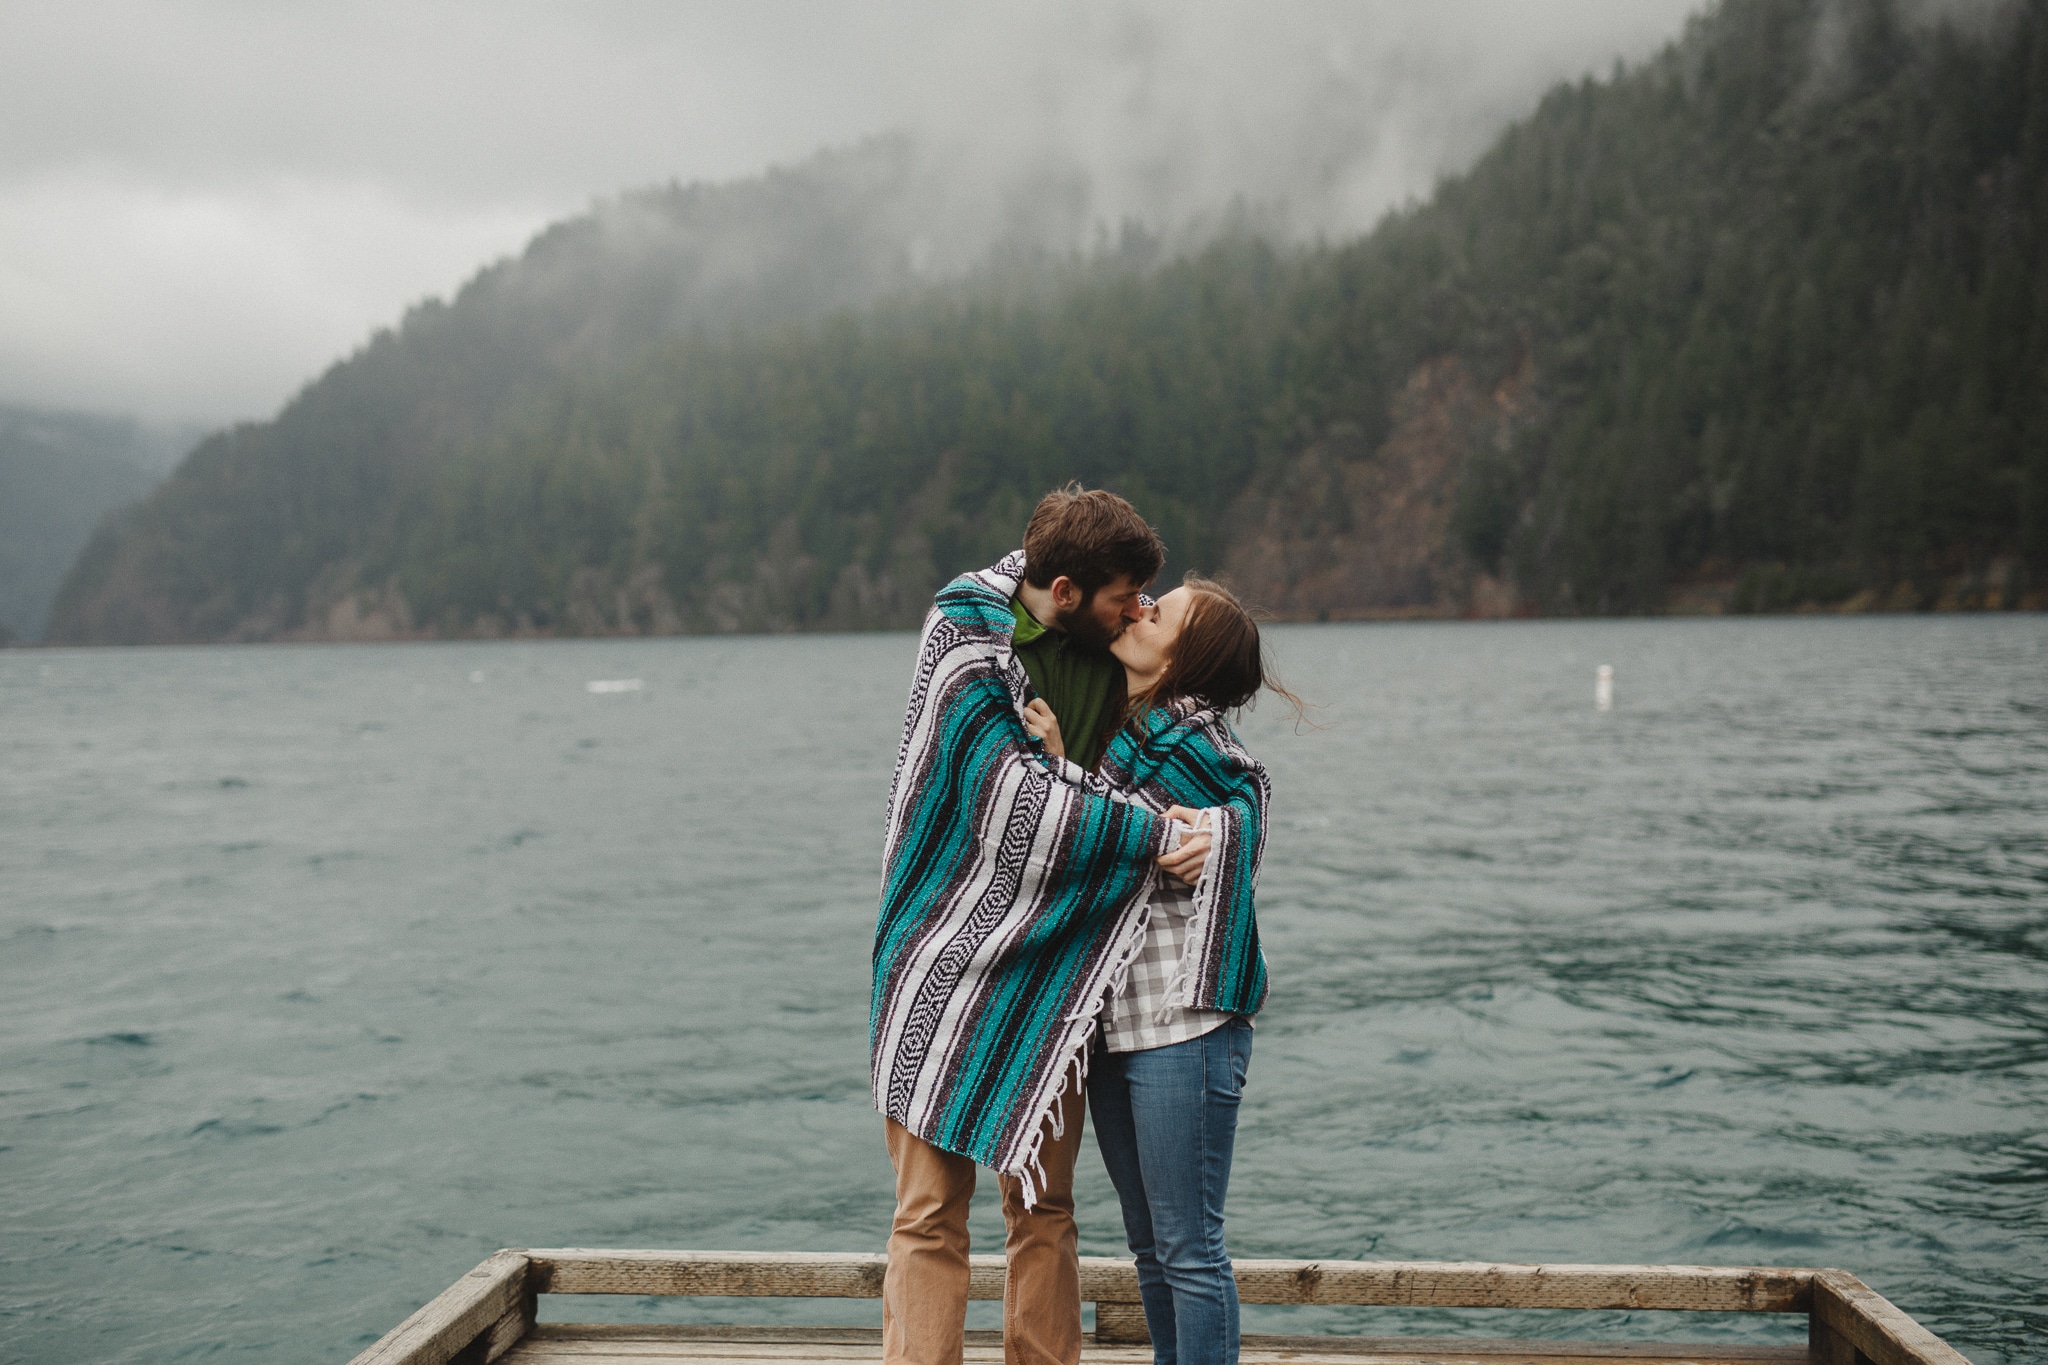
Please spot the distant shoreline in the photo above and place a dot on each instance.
(1863, 605)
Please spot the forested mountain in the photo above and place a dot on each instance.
(60, 472)
(1761, 323)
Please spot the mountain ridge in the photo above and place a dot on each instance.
(1761, 323)
(60, 473)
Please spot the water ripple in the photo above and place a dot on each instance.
(329, 970)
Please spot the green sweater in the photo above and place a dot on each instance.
(1079, 684)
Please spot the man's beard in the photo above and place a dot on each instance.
(1083, 629)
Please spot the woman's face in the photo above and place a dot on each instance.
(1147, 643)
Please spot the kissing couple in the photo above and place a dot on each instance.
(1073, 843)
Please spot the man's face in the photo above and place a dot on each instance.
(1097, 620)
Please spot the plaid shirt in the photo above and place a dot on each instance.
(1139, 1018)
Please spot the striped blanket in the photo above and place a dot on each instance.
(1013, 895)
(1185, 754)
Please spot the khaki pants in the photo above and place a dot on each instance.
(924, 1294)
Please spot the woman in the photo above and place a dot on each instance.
(1176, 1034)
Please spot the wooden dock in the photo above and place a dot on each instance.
(489, 1314)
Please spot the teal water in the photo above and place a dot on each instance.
(325, 971)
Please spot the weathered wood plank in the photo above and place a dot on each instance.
(456, 1317)
(572, 1344)
(586, 1343)
(854, 1341)
(502, 1335)
(720, 1331)
(1470, 1284)
(1430, 1284)
(1545, 1351)
(700, 1352)
(1119, 1323)
(745, 1274)
(710, 1354)
(1824, 1345)
(1874, 1325)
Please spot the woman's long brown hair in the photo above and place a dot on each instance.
(1218, 660)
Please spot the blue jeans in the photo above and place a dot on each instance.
(1166, 1119)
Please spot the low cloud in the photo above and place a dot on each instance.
(202, 205)
(209, 304)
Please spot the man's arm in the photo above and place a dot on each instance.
(1184, 861)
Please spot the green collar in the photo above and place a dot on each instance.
(1028, 628)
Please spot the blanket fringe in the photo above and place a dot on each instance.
(1184, 988)
(1050, 1119)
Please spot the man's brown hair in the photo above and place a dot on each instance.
(1091, 536)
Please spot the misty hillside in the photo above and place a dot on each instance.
(60, 472)
(1760, 324)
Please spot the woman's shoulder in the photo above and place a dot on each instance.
(1158, 730)
(1187, 732)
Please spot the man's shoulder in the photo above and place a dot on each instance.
(981, 600)
(970, 605)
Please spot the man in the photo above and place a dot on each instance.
(1009, 899)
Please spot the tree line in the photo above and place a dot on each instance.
(1780, 289)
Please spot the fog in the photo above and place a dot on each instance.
(202, 205)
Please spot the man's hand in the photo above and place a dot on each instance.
(1186, 861)
(1044, 725)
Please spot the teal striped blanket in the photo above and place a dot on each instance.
(1185, 754)
(1016, 886)
(1013, 895)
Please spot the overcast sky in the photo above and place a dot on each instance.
(203, 203)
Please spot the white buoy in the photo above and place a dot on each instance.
(1603, 688)
(613, 685)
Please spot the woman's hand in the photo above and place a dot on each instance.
(1044, 725)
(1186, 861)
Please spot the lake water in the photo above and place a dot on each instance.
(325, 971)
